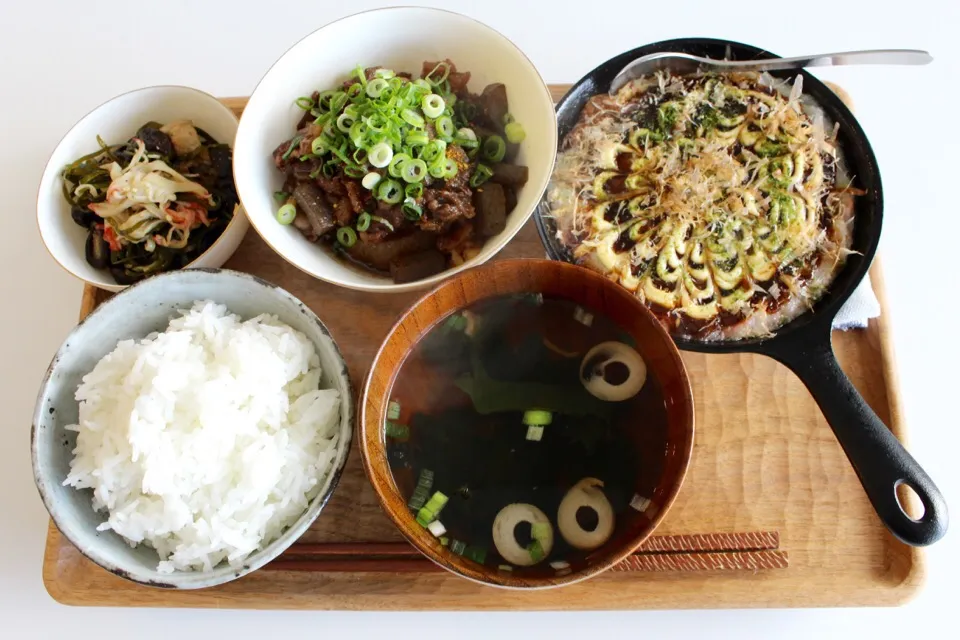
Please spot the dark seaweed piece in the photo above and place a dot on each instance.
(155, 141)
(97, 250)
(221, 159)
(82, 216)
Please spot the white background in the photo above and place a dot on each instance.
(59, 60)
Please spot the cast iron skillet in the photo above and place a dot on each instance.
(804, 344)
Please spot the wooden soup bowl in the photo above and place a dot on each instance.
(592, 291)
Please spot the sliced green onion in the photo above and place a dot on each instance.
(477, 554)
(537, 417)
(436, 170)
(360, 156)
(353, 171)
(434, 151)
(319, 146)
(386, 74)
(398, 431)
(466, 138)
(445, 128)
(444, 541)
(413, 171)
(508, 118)
(354, 90)
(540, 530)
(444, 70)
(535, 432)
(425, 479)
(432, 105)
(376, 87)
(422, 84)
(286, 213)
(417, 138)
(411, 210)
(436, 528)
(363, 223)
(344, 122)
(494, 148)
(383, 221)
(425, 517)
(583, 316)
(536, 551)
(413, 190)
(380, 155)
(450, 168)
(346, 236)
(280, 196)
(389, 191)
(393, 413)
(515, 132)
(293, 145)
(305, 103)
(504, 567)
(330, 168)
(412, 118)
(419, 498)
(480, 175)
(395, 168)
(437, 502)
(337, 101)
(458, 547)
(323, 100)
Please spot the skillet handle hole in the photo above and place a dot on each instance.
(909, 501)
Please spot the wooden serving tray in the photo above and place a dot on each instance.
(764, 461)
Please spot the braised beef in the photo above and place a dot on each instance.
(378, 255)
(446, 204)
(411, 267)
(491, 207)
(311, 202)
(494, 99)
(356, 193)
(513, 174)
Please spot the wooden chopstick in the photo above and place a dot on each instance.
(744, 551)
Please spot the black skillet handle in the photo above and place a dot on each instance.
(881, 462)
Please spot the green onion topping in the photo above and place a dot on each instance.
(380, 155)
(515, 132)
(414, 171)
(370, 181)
(397, 430)
(286, 213)
(383, 221)
(411, 210)
(280, 196)
(445, 128)
(494, 148)
(537, 417)
(363, 223)
(305, 103)
(389, 191)
(432, 105)
(396, 165)
(393, 413)
(346, 236)
(480, 175)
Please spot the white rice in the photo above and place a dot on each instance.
(208, 440)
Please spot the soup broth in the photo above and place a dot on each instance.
(467, 418)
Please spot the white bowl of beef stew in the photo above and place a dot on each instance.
(384, 232)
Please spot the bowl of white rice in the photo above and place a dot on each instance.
(192, 428)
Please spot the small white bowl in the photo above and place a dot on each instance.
(140, 309)
(400, 38)
(115, 121)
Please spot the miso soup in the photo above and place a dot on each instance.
(521, 429)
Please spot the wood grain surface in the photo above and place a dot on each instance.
(764, 459)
